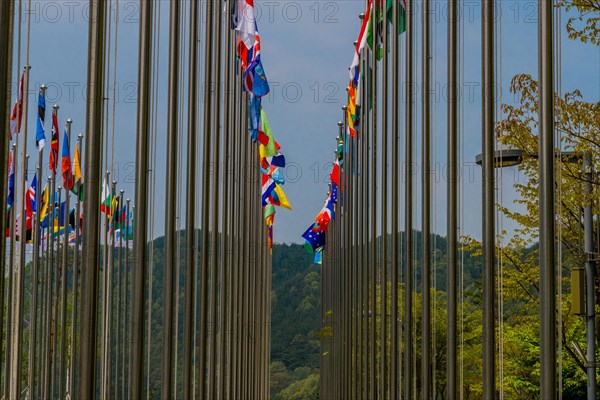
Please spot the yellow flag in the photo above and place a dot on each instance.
(77, 165)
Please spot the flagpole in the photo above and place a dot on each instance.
(9, 307)
(384, 378)
(191, 244)
(426, 371)
(55, 384)
(48, 292)
(140, 245)
(120, 286)
(489, 212)
(547, 239)
(395, 317)
(20, 295)
(208, 82)
(126, 333)
(6, 59)
(225, 205)
(109, 245)
(36, 255)
(452, 193)
(171, 200)
(104, 309)
(64, 281)
(75, 314)
(93, 171)
(215, 160)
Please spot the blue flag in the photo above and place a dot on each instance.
(40, 135)
(314, 239)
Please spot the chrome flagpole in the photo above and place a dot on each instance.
(395, 256)
(488, 207)
(171, 262)
(33, 315)
(64, 283)
(426, 345)
(140, 244)
(215, 161)
(75, 311)
(191, 242)
(205, 252)
(547, 238)
(93, 171)
(452, 193)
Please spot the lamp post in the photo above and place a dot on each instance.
(514, 157)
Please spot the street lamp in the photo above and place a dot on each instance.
(514, 157)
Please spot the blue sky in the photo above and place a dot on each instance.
(306, 49)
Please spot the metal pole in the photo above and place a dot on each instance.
(546, 199)
(6, 44)
(395, 317)
(409, 277)
(215, 177)
(120, 298)
(207, 169)
(75, 315)
(191, 244)
(140, 266)
(488, 207)
(126, 334)
(426, 362)
(590, 278)
(384, 378)
(32, 366)
(171, 202)
(64, 282)
(55, 377)
(452, 187)
(225, 292)
(93, 172)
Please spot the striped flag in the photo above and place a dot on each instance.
(362, 40)
(106, 205)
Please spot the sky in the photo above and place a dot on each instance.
(306, 48)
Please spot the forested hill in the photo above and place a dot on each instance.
(296, 311)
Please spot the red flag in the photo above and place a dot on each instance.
(17, 113)
(54, 144)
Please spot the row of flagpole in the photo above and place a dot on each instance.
(361, 254)
(97, 350)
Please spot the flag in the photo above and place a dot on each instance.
(106, 200)
(254, 108)
(77, 173)
(44, 200)
(265, 135)
(40, 135)
(360, 44)
(54, 144)
(17, 113)
(269, 220)
(30, 200)
(243, 21)
(273, 194)
(376, 24)
(11, 180)
(67, 171)
(255, 80)
(314, 239)
(318, 256)
(335, 173)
